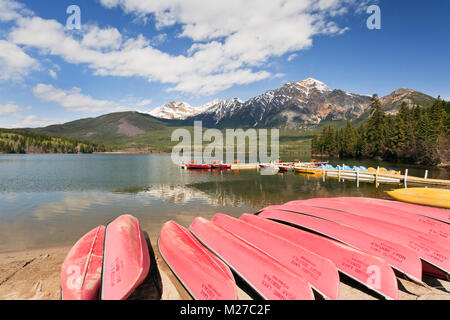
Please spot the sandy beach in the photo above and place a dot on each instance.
(34, 275)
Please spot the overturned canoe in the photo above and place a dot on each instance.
(82, 269)
(398, 257)
(442, 215)
(126, 260)
(394, 216)
(432, 252)
(353, 263)
(424, 196)
(266, 276)
(203, 275)
(320, 272)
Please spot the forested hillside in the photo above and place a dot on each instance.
(415, 135)
(26, 142)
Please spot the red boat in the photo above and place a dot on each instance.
(82, 268)
(203, 275)
(264, 274)
(320, 272)
(435, 253)
(221, 166)
(126, 261)
(442, 215)
(192, 166)
(398, 217)
(351, 262)
(399, 257)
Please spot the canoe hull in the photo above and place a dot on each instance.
(423, 196)
(394, 216)
(203, 275)
(399, 257)
(353, 263)
(126, 261)
(82, 268)
(432, 251)
(267, 277)
(320, 272)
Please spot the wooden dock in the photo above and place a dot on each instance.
(383, 177)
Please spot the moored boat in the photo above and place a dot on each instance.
(193, 166)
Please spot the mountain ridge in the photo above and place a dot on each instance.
(304, 105)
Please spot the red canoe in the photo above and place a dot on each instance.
(320, 272)
(438, 230)
(264, 274)
(442, 215)
(399, 257)
(221, 166)
(351, 262)
(198, 166)
(82, 269)
(203, 275)
(432, 252)
(126, 261)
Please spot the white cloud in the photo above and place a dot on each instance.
(143, 103)
(12, 10)
(97, 38)
(232, 41)
(32, 121)
(53, 74)
(12, 108)
(292, 57)
(73, 100)
(14, 62)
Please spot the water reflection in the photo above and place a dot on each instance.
(53, 200)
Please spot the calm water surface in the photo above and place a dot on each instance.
(52, 200)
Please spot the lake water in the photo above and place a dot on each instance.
(52, 200)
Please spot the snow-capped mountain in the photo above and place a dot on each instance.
(174, 111)
(294, 105)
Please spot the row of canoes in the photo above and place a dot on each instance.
(289, 251)
(368, 240)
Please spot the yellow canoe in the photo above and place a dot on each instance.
(308, 170)
(425, 196)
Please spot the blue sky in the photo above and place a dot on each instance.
(139, 54)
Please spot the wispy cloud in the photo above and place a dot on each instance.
(73, 100)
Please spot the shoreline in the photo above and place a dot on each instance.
(34, 275)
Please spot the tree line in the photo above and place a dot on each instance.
(414, 135)
(27, 142)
